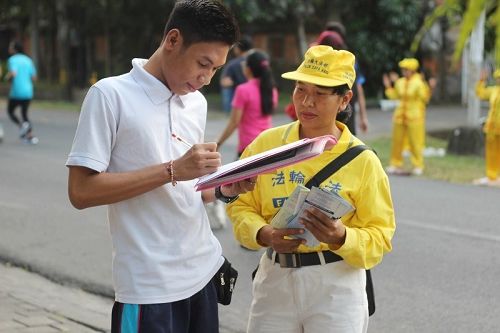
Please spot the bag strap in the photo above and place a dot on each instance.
(320, 177)
(335, 165)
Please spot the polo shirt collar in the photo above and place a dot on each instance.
(155, 89)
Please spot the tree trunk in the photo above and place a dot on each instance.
(332, 12)
(63, 48)
(35, 41)
(107, 39)
(475, 62)
(301, 36)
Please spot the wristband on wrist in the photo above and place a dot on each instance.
(222, 197)
(170, 170)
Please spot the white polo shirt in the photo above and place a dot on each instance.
(163, 247)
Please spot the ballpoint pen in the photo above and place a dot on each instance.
(181, 140)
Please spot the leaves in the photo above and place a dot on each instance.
(467, 18)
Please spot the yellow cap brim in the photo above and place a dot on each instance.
(317, 80)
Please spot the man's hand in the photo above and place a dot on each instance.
(325, 229)
(199, 160)
(275, 238)
(242, 186)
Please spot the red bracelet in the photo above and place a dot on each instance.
(170, 170)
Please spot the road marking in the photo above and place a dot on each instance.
(451, 230)
(13, 205)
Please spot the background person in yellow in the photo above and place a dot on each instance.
(491, 129)
(327, 292)
(413, 94)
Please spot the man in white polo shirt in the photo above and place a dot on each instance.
(124, 155)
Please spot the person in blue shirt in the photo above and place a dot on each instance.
(21, 73)
(232, 74)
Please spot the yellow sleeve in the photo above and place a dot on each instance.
(425, 92)
(246, 220)
(391, 93)
(482, 91)
(369, 233)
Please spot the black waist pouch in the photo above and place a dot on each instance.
(224, 281)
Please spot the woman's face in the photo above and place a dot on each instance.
(407, 73)
(317, 106)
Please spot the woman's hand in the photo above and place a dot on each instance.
(275, 238)
(432, 83)
(325, 229)
(484, 75)
(386, 81)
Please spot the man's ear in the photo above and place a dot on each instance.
(173, 39)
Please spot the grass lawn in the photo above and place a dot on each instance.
(451, 168)
(56, 105)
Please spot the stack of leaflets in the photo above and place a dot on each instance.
(302, 198)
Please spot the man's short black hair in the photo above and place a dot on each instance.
(17, 46)
(203, 21)
(245, 43)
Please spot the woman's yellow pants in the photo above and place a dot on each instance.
(415, 134)
(492, 155)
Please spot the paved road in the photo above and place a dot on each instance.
(442, 275)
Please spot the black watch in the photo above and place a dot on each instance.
(222, 197)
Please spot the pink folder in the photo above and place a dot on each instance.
(266, 161)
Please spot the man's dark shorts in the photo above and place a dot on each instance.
(196, 314)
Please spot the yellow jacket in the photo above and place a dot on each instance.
(362, 182)
(492, 93)
(413, 94)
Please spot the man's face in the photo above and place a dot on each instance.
(11, 49)
(189, 69)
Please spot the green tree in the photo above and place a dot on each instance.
(380, 34)
(466, 14)
(291, 12)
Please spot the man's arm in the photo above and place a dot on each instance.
(226, 82)
(89, 188)
(230, 190)
(363, 116)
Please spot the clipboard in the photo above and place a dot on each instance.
(266, 161)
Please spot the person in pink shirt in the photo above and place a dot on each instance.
(254, 102)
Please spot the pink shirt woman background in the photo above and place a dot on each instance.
(254, 102)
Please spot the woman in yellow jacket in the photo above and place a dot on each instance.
(413, 94)
(310, 288)
(491, 129)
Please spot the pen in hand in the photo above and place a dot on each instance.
(181, 140)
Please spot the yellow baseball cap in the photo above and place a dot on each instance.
(496, 74)
(324, 66)
(409, 63)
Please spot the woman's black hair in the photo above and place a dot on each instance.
(343, 116)
(258, 63)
